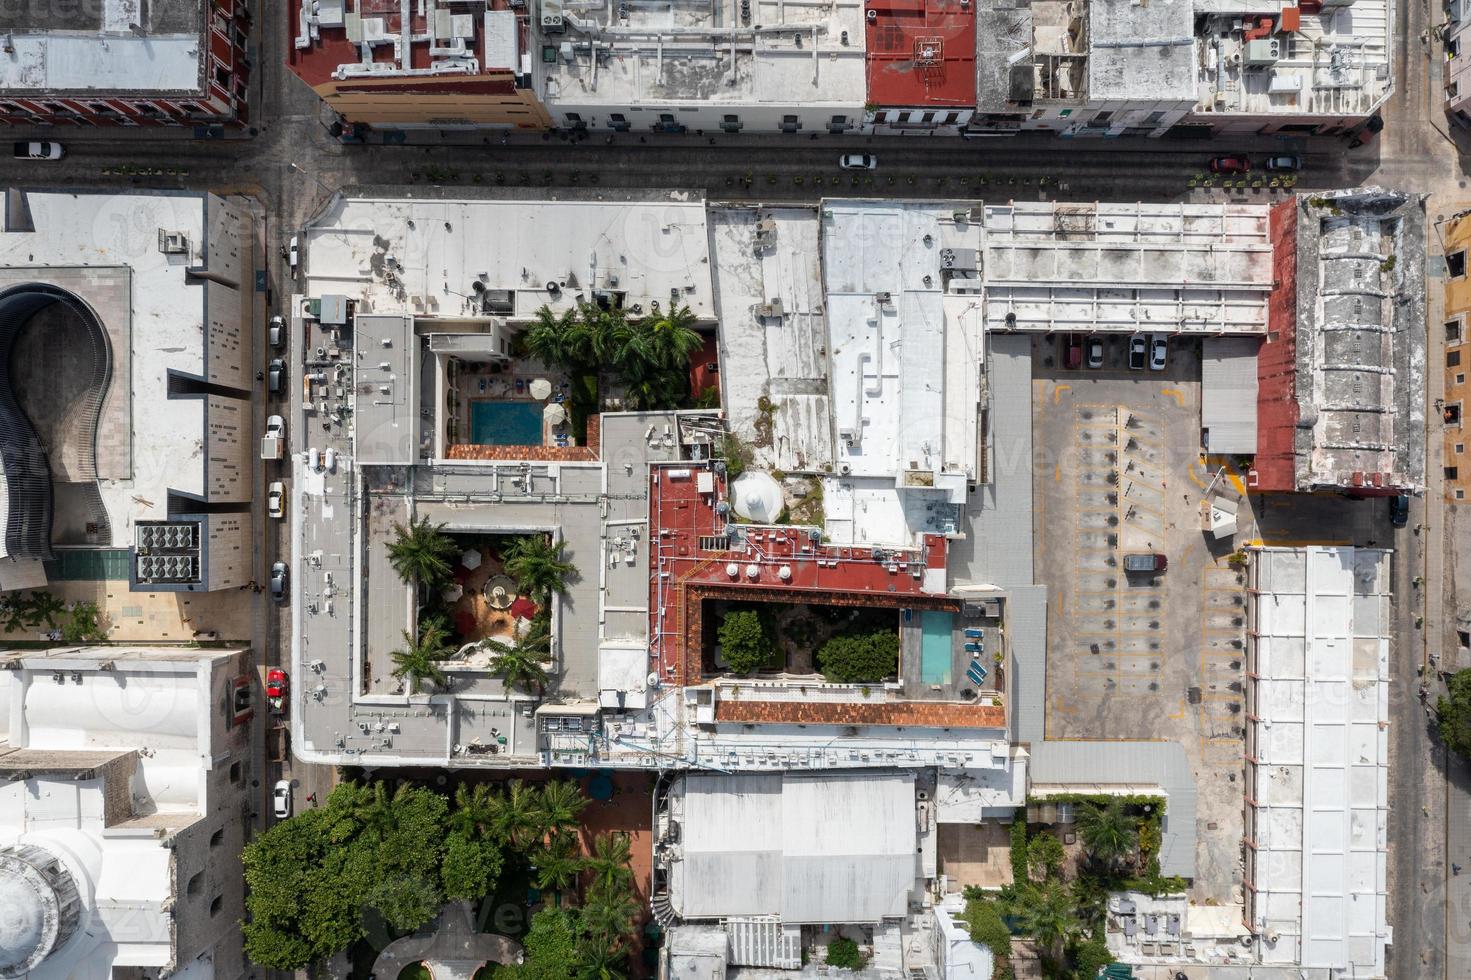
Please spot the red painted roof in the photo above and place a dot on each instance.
(921, 53)
(1276, 408)
(927, 714)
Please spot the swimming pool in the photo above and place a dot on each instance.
(936, 660)
(505, 423)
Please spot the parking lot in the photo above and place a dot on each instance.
(1148, 654)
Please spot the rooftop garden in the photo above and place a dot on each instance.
(844, 644)
(1059, 892)
(484, 603)
(371, 864)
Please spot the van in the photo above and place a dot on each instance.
(313, 459)
(1145, 562)
(329, 461)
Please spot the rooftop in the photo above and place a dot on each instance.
(702, 54)
(107, 46)
(921, 53)
(1141, 50)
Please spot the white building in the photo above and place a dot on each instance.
(126, 324)
(123, 781)
(1115, 68)
(1457, 71)
(1317, 754)
(759, 65)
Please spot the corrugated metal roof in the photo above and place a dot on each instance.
(1080, 767)
(830, 848)
(1228, 393)
(1026, 637)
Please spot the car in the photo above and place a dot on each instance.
(329, 460)
(1138, 352)
(276, 683)
(1095, 352)
(39, 150)
(1399, 510)
(1145, 562)
(279, 577)
(275, 427)
(293, 253)
(1230, 165)
(276, 499)
(314, 459)
(276, 376)
(276, 332)
(858, 161)
(1159, 351)
(1283, 164)
(281, 799)
(1073, 344)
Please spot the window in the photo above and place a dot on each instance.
(1453, 331)
(1452, 47)
(1452, 414)
(1153, 119)
(1460, 447)
(148, 110)
(1064, 113)
(195, 882)
(575, 121)
(215, 904)
(789, 124)
(1103, 117)
(1450, 472)
(1452, 89)
(837, 124)
(730, 123)
(618, 122)
(1460, 495)
(216, 838)
(222, 76)
(234, 772)
(1460, 379)
(1455, 264)
(1452, 358)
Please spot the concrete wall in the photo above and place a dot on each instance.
(227, 445)
(1454, 327)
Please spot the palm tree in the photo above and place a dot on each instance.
(519, 664)
(599, 960)
(513, 815)
(558, 805)
(608, 914)
(377, 812)
(609, 862)
(1048, 918)
(45, 607)
(12, 614)
(674, 339)
(553, 339)
(421, 553)
(473, 814)
(556, 864)
(1109, 832)
(419, 660)
(538, 566)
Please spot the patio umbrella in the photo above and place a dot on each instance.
(554, 414)
(453, 592)
(471, 559)
(523, 608)
(541, 388)
(499, 591)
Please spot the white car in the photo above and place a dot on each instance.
(329, 461)
(277, 331)
(275, 427)
(281, 799)
(43, 150)
(858, 161)
(1159, 350)
(276, 499)
(293, 253)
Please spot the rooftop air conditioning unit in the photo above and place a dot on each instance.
(173, 242)
(1263, 51)
(770, 310)
(552, 21)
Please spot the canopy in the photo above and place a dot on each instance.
(541, 388)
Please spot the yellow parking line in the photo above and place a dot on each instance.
(1293, 543)
(1175, 393)
(1057, 393)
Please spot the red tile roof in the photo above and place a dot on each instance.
(921, 53)
(927, 714)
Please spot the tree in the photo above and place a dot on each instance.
(552, 339)
(745, 642)
(84, 624)
(538, 566)
(1089, 956)
(1044, 856)
(418, 660)
(519, 664)
(551, 948)
(1454, 714)
(473, 814)
(556, 863)
(609, 861)
(557, 806)
(43, 607)
(608, 914)
(1047, 916)
(843, 953)
(1108, 831)
(471, 867)
(987, 928)
(674, 339)
(861, 658)
(514, 815)
(421, 553)
(599, 960)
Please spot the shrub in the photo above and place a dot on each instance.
(744, 641)
(1455, 714)
(1044, 856)
(853, 659)
(983, 919)
(1089, 957)
(1019, 850)
(843, 953)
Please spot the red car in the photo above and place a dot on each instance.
(276, 683)
(1230, 165)
(1074, 345)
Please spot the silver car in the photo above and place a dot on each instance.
(281, 799)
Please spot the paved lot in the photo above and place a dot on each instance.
(1140, 656)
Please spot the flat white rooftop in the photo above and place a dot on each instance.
(783, 54)
(425, 257)
(109, 46)
(1320, 653)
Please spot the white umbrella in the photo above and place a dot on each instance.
(541, 388)
(453, 592)
(554, 414)
(471, 559)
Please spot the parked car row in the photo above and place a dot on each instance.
(1240, 163)
(1152, 349)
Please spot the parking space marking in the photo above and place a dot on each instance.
(1176, 394)
(1057, 393)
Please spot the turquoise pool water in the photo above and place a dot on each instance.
(935, 659)
(505, 423)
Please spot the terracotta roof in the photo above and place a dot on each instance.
(927, 714)
(553, 454)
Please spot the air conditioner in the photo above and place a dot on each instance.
(1263, 51)
(552, 21)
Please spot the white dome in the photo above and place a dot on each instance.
(757, 497)
(22, 921)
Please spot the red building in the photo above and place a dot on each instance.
(921, 58)
(116, 63)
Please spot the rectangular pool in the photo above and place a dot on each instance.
(505, 423)
(936, 657)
